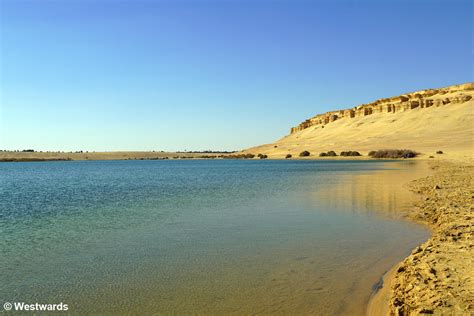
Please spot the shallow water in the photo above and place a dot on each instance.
(203, 236)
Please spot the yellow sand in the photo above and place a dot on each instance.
(112, 155)
(449, 128)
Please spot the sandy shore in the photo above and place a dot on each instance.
(438, 276)
(16, 156)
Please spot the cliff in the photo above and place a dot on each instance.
(425, 121)
(409, 101)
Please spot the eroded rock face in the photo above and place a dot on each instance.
(409, 101)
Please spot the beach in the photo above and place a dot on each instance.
(237, 157)
(437, 277)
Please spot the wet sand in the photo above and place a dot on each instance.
(438, 276)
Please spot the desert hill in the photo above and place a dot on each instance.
(425, 121)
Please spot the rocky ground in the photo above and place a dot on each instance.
(438, 276)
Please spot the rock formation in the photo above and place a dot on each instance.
(425, 121)
(420, 99)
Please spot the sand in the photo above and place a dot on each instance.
(438, 276)
(112, 155)
(449, 128)
(380, 300)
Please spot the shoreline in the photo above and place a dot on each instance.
(323, 263)
(437, 277)
(434, 278)
(9, 156)
(379, 301)
(18, 156)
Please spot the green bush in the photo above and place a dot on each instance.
(305, 153)
(288, 156)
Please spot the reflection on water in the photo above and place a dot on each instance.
(205, 237)
(385, 192)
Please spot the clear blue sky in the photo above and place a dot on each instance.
(195, 75)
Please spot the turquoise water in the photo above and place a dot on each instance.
(197, 236)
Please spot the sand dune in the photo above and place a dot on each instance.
(447, 124)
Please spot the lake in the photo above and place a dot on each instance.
(203, 236)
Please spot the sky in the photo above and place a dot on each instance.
(221, 75)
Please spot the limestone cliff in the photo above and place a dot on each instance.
(425, 121)
(404, 102)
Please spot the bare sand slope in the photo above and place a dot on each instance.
(448, 127)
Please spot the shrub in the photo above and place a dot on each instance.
(288, 156)
(409, 154)
(305, 153)
(394, 153)
(350, 153)
(263, 156)
(372, 153)
(439, 152)
(239, 156)
(332, 153)
(323, 155)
